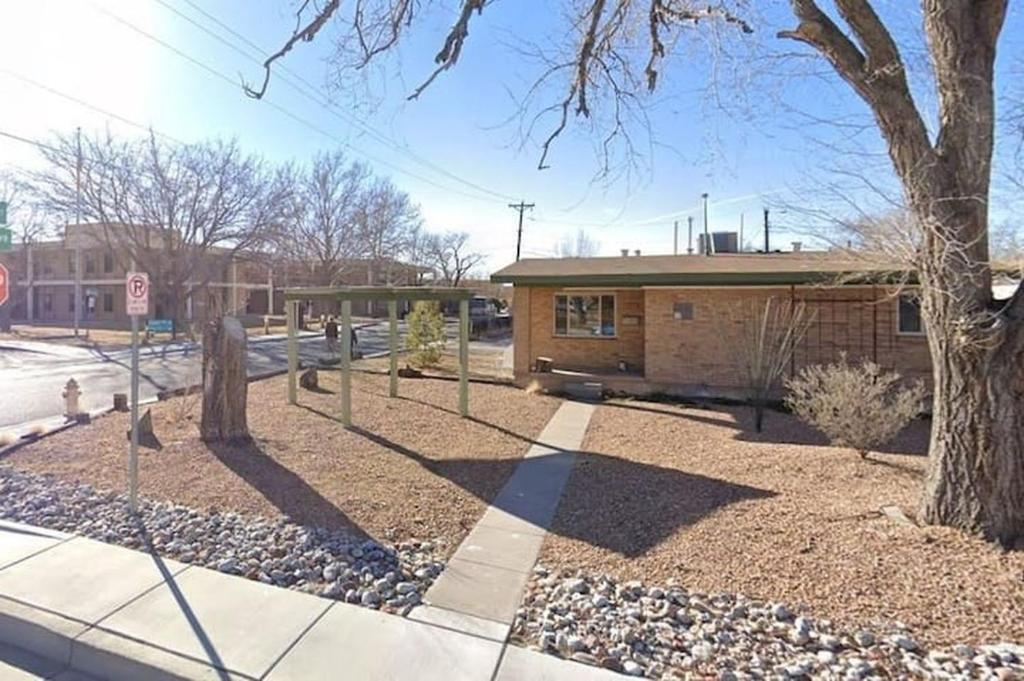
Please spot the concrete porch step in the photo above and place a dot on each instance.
(591, 391)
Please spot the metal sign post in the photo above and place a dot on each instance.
(137, 303)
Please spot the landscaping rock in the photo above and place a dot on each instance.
(665, 632)
(330, 563)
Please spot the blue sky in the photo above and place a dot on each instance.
(753, 152)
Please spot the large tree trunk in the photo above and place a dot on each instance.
(975, 477)
(225, 381)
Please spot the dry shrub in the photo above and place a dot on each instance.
(857, 406)
(185, 406)
(6, 439)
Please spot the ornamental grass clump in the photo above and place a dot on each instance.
(859, 406)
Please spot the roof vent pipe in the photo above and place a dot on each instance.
(636, 252)
(797, 246)
(625, 252)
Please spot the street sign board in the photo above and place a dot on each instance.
(159, 326)
(6, 239)
(137, 293)
(5, 284)
(3, 212)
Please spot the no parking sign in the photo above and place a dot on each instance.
(137, 293)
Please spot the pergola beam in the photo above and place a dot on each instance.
(377, 293)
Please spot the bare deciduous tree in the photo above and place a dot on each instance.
(578, 245)
(449, 255)
(976, 474)
(180, 213)
(388, 226)
(323, 233)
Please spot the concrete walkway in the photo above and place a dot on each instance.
(96, 609)
(480, 589)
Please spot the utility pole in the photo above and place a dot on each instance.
(689, 235)
(519, 238)
(675, 238)
(766, 248)
(78, 221)
(707, 235)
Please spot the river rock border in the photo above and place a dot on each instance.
(330, 563)
(667, 632)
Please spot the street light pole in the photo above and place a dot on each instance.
(707, 236)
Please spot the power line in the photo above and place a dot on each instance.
(312, 92)
(92, 107)
(283, 110)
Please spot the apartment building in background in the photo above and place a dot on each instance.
(85, 266)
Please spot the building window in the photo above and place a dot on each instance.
(908, 316)
(108, 302)
(682, 311)
(71, 263)
(71, 302)
(108, 263)
(47, 267)
(586, 316)
(48, 302)
(90, 265)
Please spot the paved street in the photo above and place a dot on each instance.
(32, 375)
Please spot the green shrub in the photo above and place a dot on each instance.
(857, 406)
(426, 333)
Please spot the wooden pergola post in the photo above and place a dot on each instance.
(393, 346)
(464, 357)
(293, 349)
(346, 361)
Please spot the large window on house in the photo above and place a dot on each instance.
(908, 315)
(108, 302)
(108, 262)
(585, 316)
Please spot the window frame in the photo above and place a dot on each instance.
(899, 317)
(600, 311)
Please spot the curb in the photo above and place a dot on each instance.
(90, 649)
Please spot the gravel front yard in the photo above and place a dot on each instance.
(412, 469)
(691, 496)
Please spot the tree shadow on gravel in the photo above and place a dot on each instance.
(630, 507)
(282, 487)
(483, 478)
(779, 427)
(609, 502)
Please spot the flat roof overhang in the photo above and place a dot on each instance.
(705, 279)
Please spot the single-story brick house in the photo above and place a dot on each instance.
(675, 324)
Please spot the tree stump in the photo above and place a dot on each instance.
(225, 381)
(309, 380)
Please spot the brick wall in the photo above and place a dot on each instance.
(708, 349)
(536, 337)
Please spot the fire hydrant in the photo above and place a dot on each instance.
(71, 394)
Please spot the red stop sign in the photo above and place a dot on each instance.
(5, 284)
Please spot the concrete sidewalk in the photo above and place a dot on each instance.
(113, 613)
